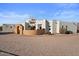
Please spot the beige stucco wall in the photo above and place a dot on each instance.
(8, 27)
(33, 32)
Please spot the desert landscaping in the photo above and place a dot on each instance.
(39, 45)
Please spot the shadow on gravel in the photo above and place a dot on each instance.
(8, 53)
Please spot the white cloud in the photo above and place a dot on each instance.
(13, 15)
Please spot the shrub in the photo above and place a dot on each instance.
(68, 32)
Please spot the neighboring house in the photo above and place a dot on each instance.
(68, 26)
(62, 27)
(8, 27)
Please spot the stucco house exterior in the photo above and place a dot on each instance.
(35, 27)
(69, 26)
(42, 24)
(8, 27)
(53, 26)
(61, 26)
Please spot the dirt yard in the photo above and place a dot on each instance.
(39, 45)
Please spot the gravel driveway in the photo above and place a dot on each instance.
(39, 45)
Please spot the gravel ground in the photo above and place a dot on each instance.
(39, 45)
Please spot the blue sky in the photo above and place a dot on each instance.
(19, 12)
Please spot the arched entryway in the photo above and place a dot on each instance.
(19, 29)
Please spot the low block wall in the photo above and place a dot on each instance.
(6, 32)
(33, 32)
(39, 32)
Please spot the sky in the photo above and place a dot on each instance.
(19, 12)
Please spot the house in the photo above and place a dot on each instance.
(52, 27)
(38, 27)
(31, 27)
(8, 27)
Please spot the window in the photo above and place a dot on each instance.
(40, 27)
(49, 29)
(62, 26)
